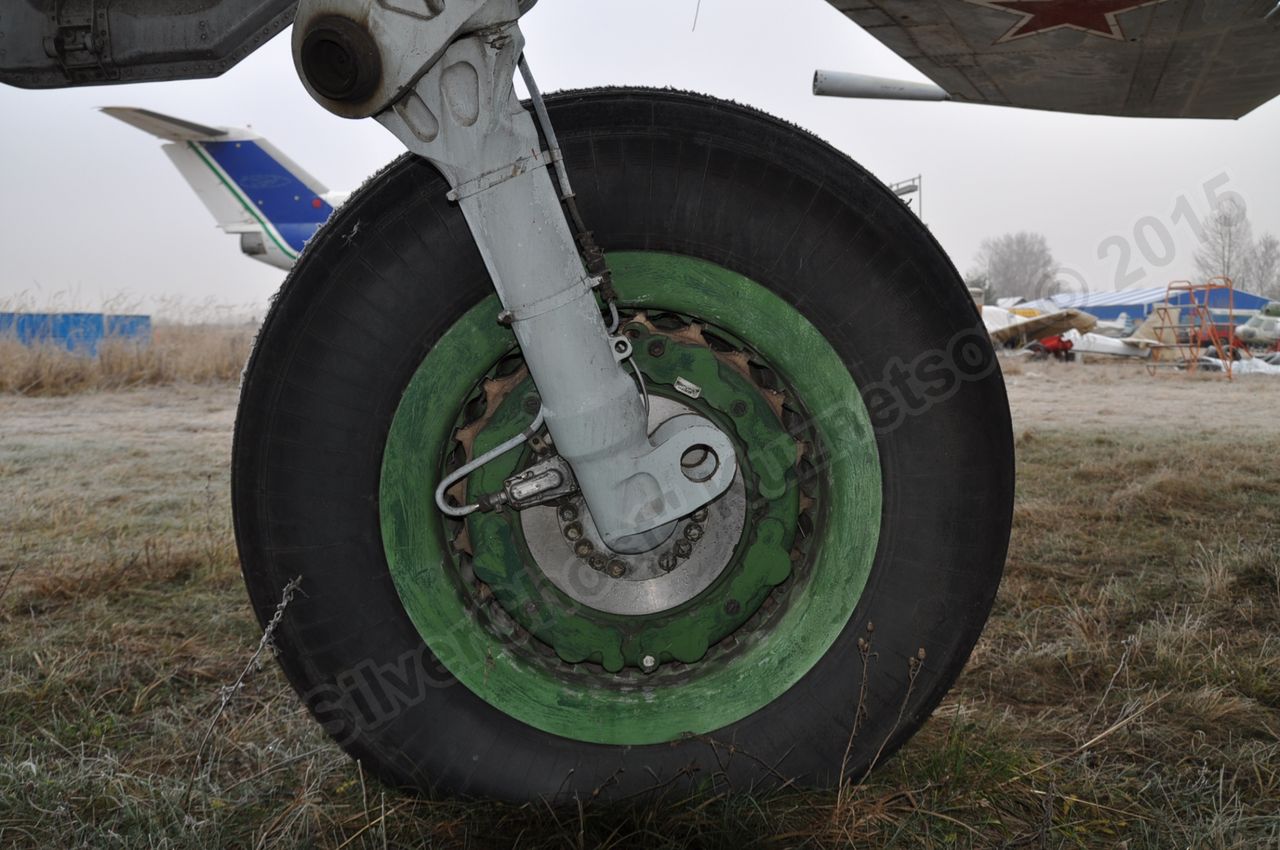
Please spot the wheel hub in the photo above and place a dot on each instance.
(567, 547)
(766, 376)
(547, 573)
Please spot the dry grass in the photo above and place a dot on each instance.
(1126, 692)
(188, 353)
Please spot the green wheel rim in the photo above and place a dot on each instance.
(711, 694)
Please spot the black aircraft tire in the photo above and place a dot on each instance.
(654, 171)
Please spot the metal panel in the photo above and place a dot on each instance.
(60, 43)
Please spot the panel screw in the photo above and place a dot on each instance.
(573, 531)
(667, 561)
(617, 569)
(657, 348)
(648, 664)
(732, 607)
(738, 408)
(693, 531)
(598, 562)
(532, 403)
(583, 549)
(683, 548)
(568, 513)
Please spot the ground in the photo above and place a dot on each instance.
(1126, 692)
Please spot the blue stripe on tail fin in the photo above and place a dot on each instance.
(280, 196)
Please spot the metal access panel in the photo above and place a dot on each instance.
(61, 43)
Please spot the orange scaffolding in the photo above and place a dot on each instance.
(1187, 329)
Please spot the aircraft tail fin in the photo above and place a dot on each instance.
(251, 188)
(1159, 328)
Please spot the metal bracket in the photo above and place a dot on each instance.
(80, 41)
(544, 481)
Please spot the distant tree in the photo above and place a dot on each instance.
(1262, 267)
(1018, 264)
(1227, 243)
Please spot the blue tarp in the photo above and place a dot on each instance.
(80, 333)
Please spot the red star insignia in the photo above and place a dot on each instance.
(1096, 17)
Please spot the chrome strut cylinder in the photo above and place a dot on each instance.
(439, 75)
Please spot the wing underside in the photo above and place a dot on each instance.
(1142, 58)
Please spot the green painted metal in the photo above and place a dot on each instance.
(685, 633)
(724, 687)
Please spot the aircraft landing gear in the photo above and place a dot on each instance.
(797, 623)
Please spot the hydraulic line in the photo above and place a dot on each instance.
(594, 258)
(471, 466)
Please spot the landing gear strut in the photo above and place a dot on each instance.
(444, 85)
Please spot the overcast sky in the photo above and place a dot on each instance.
(92, 210)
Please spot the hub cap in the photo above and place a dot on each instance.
(566, 546)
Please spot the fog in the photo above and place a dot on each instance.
(94, 212)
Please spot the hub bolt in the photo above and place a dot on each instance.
(568, 513)
(700, 515)
(657, 348)
(738, 408)
(598, 562)
(617, 569)
(693, 531)
(648, 664)
(683, 548)
(583, 549)
(732, 607)
(573, 531)
(668, 562)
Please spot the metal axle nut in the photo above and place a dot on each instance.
(340, 59)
